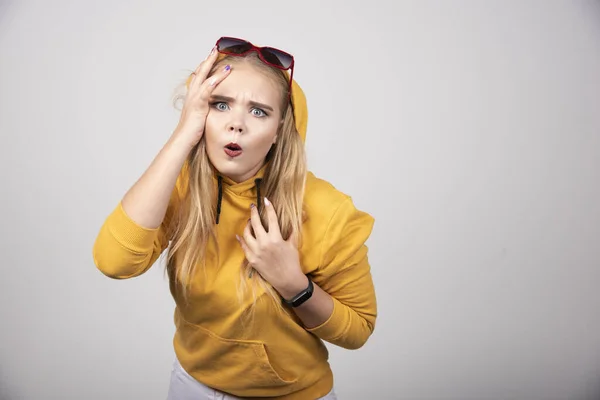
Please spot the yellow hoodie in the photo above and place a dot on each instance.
(275, 356)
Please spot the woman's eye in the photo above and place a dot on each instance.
(257, 112)
(220, 106)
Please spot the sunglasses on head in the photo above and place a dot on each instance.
(269, 55)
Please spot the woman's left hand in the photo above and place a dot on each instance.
(274, 258)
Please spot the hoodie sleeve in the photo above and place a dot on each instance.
(345, 274)
(124, 249)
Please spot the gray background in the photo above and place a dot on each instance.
(469, 129)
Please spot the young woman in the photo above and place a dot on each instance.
(265, 260)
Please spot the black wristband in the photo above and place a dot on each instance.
(301, 297)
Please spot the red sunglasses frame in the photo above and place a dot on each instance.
(258, 50)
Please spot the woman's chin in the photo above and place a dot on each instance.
(232, 171)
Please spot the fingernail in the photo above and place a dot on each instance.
(267, 202)
(237, 237)
(252, 205)
(213, 50)
(227, 67)
(210, 54)
(213, 81)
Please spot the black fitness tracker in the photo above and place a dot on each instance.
(301, 297)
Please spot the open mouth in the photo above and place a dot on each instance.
(233, 147)
(233, 150)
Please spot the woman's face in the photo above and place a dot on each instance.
(242, 123)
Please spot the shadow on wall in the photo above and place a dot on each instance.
(591, 391)
(5, 392)
(8, 389)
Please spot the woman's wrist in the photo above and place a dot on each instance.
(293, 286)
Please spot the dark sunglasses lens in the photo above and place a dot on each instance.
(277, 57)
(236, 46)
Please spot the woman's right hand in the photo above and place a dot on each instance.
(196, 106)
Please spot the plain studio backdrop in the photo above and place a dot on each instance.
(470, 130)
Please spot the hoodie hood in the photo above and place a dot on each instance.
(300, 110)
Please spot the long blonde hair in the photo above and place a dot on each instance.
(283, 184)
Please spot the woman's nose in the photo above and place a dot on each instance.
(236, 127)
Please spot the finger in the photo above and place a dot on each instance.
(209, 85)
(209, 60)
(245, 248)
(259, 230)
(249, 239)
(202, 70)
(273, 226)
(206, 64)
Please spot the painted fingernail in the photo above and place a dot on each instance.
(227, 67)
(252, 205)
(210, 54)
(267, 202)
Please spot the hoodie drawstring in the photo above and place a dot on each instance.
(257, 182)
(219, 198)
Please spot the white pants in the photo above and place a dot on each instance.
(183, 386)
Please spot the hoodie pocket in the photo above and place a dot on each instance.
(226, 364)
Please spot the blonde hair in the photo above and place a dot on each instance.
(283, 184)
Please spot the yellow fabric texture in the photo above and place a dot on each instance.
(273, 355)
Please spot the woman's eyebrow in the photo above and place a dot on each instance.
(217, 97)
